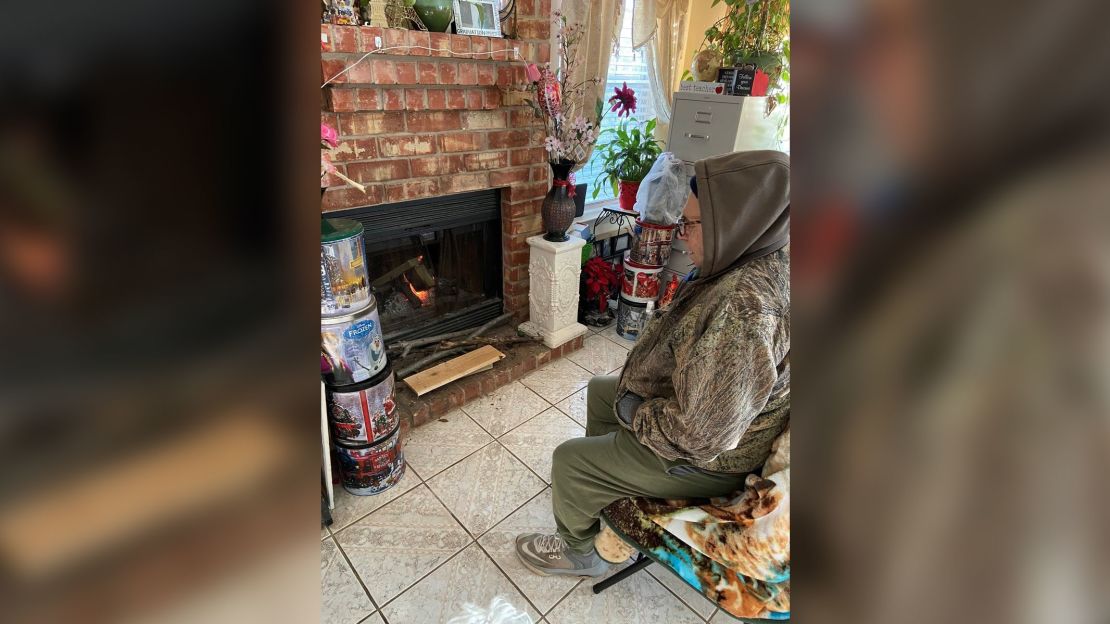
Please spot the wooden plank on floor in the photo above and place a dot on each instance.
(455, 368)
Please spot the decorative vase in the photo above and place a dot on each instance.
(558, 205)
(627, 197)
(436, 14)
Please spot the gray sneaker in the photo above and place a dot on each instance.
(549, 555)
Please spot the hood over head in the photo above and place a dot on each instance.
(745, 207)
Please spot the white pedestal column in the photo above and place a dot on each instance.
(553, 273)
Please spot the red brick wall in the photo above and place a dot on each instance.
(417, 123)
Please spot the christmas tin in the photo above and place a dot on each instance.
(369, 469)
(651, 245)
(344, 286)
(365, 412)
(640, 283)
(353, 347)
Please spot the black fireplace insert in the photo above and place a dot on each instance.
(434, 264)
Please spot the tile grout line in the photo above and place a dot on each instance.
(538, 610)
(677, 597)
(474, 541)
(358, 577)
(525, 464)
(508, 578)
(419, 580)
(419, 480)
(560, 601)
(465, 546)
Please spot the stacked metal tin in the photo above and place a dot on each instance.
(357, 376)
(641, 281)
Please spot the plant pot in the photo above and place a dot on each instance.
(627, 196)
(558, 205)
(769, 62)
(436, 14)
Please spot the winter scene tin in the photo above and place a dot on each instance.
(363, 412)
(366, 470)
(344, 286)
(631, 318)
(353, 347)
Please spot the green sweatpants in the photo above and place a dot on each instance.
(587, 474)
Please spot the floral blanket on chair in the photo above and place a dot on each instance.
(735, 550)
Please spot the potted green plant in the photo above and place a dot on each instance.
(627, 156)
(757, 32)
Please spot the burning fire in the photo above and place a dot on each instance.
(422, 295)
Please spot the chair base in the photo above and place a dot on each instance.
(640, 563)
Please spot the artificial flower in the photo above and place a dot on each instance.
(623, 101)
(329, 136)
(533, 72)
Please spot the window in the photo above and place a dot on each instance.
(625, 65)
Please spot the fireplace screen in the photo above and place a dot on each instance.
(435, 264)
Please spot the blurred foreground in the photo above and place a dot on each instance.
(160, 410)
(952, 287)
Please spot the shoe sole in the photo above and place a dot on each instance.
(543, 572)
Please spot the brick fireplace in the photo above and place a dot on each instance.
(416, 123)
(432, 116)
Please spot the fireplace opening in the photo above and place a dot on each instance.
(434, 264)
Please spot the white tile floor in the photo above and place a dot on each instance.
(477, 477)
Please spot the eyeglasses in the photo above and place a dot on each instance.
(683, 224)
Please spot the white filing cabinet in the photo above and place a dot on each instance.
(706, 124)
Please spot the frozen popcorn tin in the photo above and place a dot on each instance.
(352, 346)
(651, 245)
(365, 412)
(640, 283)
(369, 469)
(344, 286)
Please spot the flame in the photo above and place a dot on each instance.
(422, 295)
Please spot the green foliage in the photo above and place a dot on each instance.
(628, 154)
(755, 30)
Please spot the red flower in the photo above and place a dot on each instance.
(623, 101)
(601, 279)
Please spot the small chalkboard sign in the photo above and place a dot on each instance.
(745, 76)
(727, 77)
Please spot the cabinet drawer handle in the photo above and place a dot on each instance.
(703, 137)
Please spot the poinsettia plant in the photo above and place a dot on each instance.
(560, 98)
(601, 280)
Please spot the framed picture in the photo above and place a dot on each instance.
(478, 17)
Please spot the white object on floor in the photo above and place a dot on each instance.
(324, 443)
(554, 270)
(499, 612)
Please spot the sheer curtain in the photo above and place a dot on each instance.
(660, 27)
(601, 20)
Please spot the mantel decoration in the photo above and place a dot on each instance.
(628, 155)
(478, 17)
(436, 14)
(559, 98)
